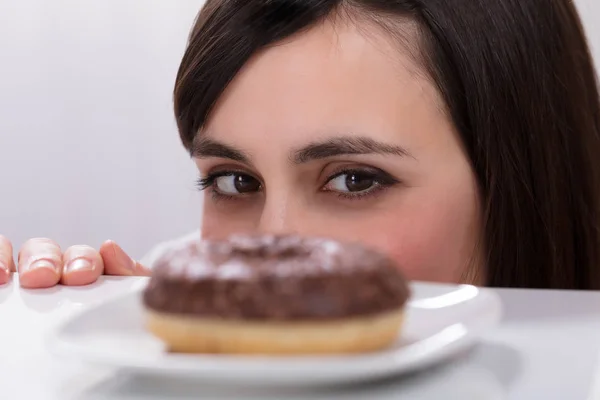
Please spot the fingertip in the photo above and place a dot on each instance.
(4, 274)
(39, 278)
(40, 263)
(108, 250)
(82, 265)
(79, 278)
(108, 253)
(108, 243)
(6, 256)
(116, 261)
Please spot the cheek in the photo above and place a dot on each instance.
(429, 238)
(434, 241)
(219, 223)
(427, 251)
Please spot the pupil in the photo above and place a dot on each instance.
(358, 183)
(246, 184)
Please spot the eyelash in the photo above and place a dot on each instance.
(383, 182)
(209, 183)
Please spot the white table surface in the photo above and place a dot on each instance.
(547, 347)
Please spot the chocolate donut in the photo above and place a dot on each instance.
(277, 285)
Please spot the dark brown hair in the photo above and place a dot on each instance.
(519, 83)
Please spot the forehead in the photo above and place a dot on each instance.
(337, 76)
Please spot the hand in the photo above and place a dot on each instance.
(7, 265)
(42, 263)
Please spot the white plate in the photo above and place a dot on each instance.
(441, 321)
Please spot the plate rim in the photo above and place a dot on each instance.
(354, 368)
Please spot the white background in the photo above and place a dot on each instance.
(88, 146)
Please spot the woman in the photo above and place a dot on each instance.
(460, 137)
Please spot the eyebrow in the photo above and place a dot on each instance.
(208, 148)
(343, 145)
(338, 146)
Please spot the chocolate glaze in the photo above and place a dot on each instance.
(275, 278)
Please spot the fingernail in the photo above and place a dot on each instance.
(79, 264)
(41, 264)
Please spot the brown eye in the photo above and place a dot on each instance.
(358, 183)
(352, 182)
(246, 184)
(235, 184)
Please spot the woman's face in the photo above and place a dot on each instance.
(338, 133)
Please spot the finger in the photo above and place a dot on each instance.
(7, 265)
(82, 265)
(117, 262)
(40, 263)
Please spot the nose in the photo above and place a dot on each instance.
(282, 214)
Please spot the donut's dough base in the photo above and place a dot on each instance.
(187, 334)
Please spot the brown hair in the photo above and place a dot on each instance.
(519, 83)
